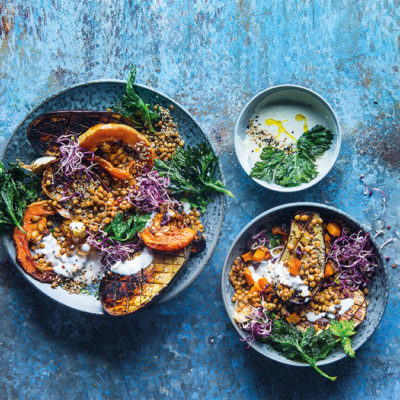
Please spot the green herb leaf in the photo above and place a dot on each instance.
(306, 346)
(275, 240)
(134, 108)
(18, 188)
(343, 330)
(122, 229)
(315, 141)
(270, 159)
(191, 172)
(293, 169)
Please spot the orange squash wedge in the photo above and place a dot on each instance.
(21, 241)
(102, 133)
(168, 237)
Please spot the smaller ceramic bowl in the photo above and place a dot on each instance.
(288, 105)
(377, 288)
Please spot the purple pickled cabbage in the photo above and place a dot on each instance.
(151, 192)
(111, 250)
(261, 239)
(258, 325)
(73, 158)
(355, 257)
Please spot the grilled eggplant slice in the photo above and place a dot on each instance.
(43, 130)
(297, 228)
(306, 243)
(122, 295)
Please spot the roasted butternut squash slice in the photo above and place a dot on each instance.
(102, 133)
(168, 237)
(21, 240)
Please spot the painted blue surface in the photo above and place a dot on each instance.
(212, 57)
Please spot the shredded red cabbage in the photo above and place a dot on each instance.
(356, 259)
(261, 239)
(111, 250)
(258, 325)
(150, 193)
(73, 158)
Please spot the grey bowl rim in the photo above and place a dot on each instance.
(259, 97)
(164, 298)
(227, 300)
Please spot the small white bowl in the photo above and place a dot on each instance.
(284, 102)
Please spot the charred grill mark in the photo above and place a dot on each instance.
(125, 294)
(43, 130)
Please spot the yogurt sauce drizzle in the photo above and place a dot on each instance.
(279, 274)
(85, 268)
(131, 267)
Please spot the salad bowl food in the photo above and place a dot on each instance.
(287, 138)
(111, 209)
(304, 284)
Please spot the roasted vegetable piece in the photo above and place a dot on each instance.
(246, 257)
(308, 248)
(329, 269)
(167, 237)
(102, 133)
(122, 295)
(297, 228)
(293, 318)
(21, 240)
(248, 276)
(333, 229)
(46, 128)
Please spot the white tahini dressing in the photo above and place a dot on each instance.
(279, 274)
(131, 267)
(345, 305)
(312, 317)
(84, 269)
(186, 207)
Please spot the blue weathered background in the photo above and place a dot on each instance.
(211, 56)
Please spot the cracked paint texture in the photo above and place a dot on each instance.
(211, 56)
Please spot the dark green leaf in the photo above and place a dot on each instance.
(275, 240)
(134, 108)
(18, 188)
(315, 141)
(122, 229)
(297, 167)
(270, 159)
(191, 172)
(294, 344)
(294, 170)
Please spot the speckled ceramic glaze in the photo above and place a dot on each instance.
(99, 95)
(378, 288)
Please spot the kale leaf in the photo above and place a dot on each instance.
(191, 172)
(122, 229)
(18, 188)
(134, 108)
(307, 346)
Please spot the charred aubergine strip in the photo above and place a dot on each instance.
(121, 295)
(304, 255)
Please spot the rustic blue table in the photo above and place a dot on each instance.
(212, 57)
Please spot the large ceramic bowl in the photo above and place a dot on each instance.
(99, 95)
(284, 102)
(377, 288)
